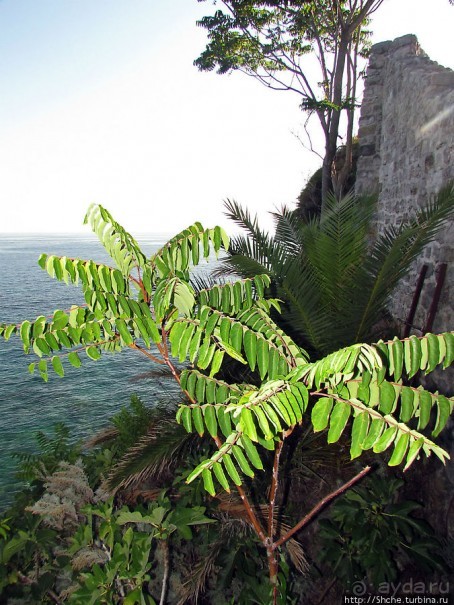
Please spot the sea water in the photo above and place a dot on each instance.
(85, 398)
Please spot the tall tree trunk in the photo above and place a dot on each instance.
(326, 174)
(333, 129)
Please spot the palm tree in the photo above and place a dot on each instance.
(333, 278)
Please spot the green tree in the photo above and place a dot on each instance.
(310, 48)
(149, 305)
(333, 281)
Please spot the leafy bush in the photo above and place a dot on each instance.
(149, 305)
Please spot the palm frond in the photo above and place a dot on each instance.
(107, 435)
(288, 230)
(232, 505)
(334, 285)
(165, 446)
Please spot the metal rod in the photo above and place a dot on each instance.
(415, 301)
(441, 274)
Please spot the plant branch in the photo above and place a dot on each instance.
(165, 577)
(247, 505)
(273, 489)
(147, 354)
(320, 506)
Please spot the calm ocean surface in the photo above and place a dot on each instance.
(85, 398)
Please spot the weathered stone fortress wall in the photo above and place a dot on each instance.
(406, 138)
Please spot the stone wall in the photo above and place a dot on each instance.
(406, 138)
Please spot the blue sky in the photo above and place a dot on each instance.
(100, 102)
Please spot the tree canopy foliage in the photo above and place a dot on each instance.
(307, 47)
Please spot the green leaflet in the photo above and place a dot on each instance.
(413, 452)
(387, 396)
(320, 413)
(250, 348)
(416, 356)
(443, 413)
(25, 333)
(211, 423)
(385, 440)
(238, 295)
(242, 461)
(295, 403)
(195, 345)
(186, 418)
(251, 452)
(59, 320)
(51, 341)
(263, 422)
(338, 421)
(274, 363)
(205, 358)
(140, 331)
(236, 336)
(226, 298)
(280, 409)
(224, 329)
(220, 476)
(185, 339)
(200, 390)
(198, 420)
(216, 363)
(301, 393)
(191, 383)
(424, 353)
(41, 347)
(210, 391)
(198, 470)
(397, 354)
(449, 356)
(231, 470)
(272, 416)
(425, 405)
(434, 352)
(208, 482)
(285, 403)
(262, 357)
(211, 323)
(123, 330)
(359, 431)
(74, 359)
(93, 353)
(442, 347)
(42, 368)
(407, 403)
(247, 424)
(400, 449)
(58, 367)
(232, 352)
(224, 421)
(38, 326)
(362, 391)
(375, 430)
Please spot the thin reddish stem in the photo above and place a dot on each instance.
(318, 507)
(273, 489)
(146, 353)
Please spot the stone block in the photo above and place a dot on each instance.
(445, 78)
(366, 130)
(366, 150)
(381, 47)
